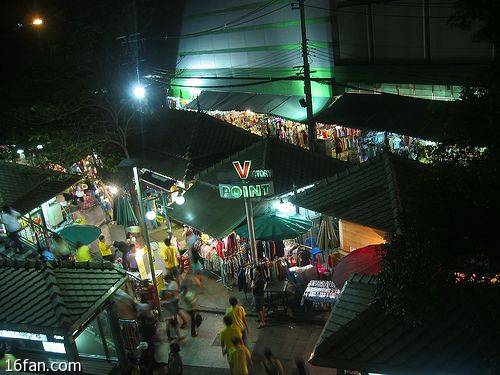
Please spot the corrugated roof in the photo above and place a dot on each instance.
(170, 134)
(50, 297)
(291, 165)
(359, 336)
(423, 118)
(369, 193)
(25, 188)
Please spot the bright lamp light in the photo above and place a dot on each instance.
(151, 215)
(285, 207)
(139, 92)
(37, 21)
(180, 200)
(113, 189)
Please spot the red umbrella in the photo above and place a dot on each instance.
(364, 261)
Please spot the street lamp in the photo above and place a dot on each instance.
(180, 200)
(37, 21)
(139, 92)
(151, 215)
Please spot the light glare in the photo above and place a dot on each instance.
(139, 92)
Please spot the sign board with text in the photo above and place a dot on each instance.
(246, 183)
(233, 191)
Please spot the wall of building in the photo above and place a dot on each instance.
(382, 45)
(353, 236)
(262, 39)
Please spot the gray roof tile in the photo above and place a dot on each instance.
(25, 188)
(365, 193)
(51, 296)
(359, 336)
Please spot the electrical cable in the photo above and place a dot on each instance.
(376, 14)
(230, 23)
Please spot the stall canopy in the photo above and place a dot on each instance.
(172, 139)
(40, 297)
(276, 226)
(422, 118)
(25, 188)
(365, 261)
(360, 336)
(291, 165)
(277, 105)
(372, 193)
(207, 212)
(80, 233)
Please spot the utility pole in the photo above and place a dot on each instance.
(311, 124)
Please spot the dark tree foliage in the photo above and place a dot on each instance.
(446, 253)
(69, 81)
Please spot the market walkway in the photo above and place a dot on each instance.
(288, 337)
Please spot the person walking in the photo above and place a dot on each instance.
(258, 286)
(227, 335)
(272, 365)
(170, 256)
(238, 314)
(105, 249)
(174, 364)
(124, 248)
(82, 252)
(10, 219)
(240, 359)
(187, 303)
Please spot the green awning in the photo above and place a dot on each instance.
(207, 212)
(277, 105)
(277, 226)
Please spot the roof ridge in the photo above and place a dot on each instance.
(55, 296)
(393, 185)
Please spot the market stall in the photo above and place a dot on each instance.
(321, 291)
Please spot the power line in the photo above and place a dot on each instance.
(377, 14)
(230, 23)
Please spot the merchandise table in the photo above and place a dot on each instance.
(276, 287)
(320, 291)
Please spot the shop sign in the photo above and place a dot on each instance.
(244, 173)
(233, 191)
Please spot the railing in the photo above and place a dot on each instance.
(38, 236)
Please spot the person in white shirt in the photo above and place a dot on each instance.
(10, 219)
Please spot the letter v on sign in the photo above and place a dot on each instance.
(242, 172)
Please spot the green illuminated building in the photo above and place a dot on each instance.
(401, 47)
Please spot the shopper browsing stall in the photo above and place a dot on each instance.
(105, 249)
(258, 286)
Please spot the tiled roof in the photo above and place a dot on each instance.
(359, 336)
(291, 165)
(371, 193)
(25, 188)
(169, 136)
(51, 297)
